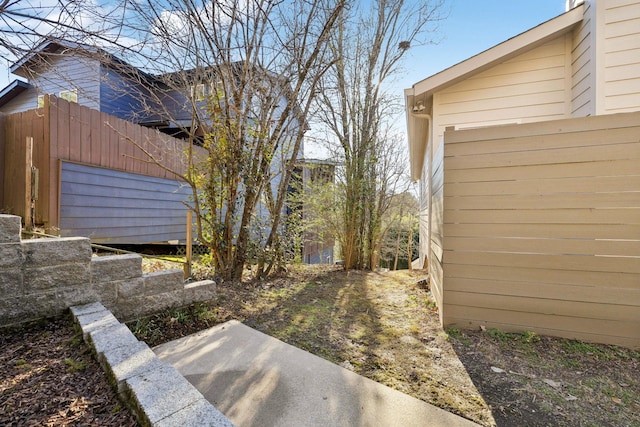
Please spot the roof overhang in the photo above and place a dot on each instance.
(420, 96)
(12, 90)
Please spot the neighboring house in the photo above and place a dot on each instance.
(91, 88)
(584, 62)
(82, 74)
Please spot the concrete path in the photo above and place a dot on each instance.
(257, 380)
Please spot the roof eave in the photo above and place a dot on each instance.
(502, 52)
(12, 90)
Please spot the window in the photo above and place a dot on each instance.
(197, 92)
(40, 101)
(69, 95)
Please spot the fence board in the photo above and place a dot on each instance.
(574, 292)
(629, 199)
(564, 170)
(533, 274)
(545, 246)
(546, 231)
(67, 131)
(541, 228)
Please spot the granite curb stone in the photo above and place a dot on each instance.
(156, 392)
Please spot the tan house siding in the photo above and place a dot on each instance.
(529, 87)
(542, 228)
(622, 56)
(582, 63)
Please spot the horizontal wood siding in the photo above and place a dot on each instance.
(622, 56)
(582, 66)
(436, 227)
(425, 202)
(120, 207)
(70, 132)
(541, 228)
(529, 87)
(127, 98)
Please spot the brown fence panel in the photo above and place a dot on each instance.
(67, 131)
(3, 123)
(541, 228)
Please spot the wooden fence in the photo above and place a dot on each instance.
(67, 131)
(540, 228)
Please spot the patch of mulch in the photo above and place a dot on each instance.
(48, 377)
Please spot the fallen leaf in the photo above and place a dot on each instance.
(497, 370)
(483, 328)
(570, 398)
(624, 385)
(552, 383)
(616, 400)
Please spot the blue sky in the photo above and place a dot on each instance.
(472, 26)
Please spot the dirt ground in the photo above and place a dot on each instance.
(385, 327)
(49, 378)
(381, 325)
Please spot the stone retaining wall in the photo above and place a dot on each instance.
(44, 277)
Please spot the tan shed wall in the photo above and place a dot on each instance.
(621, 56)
(541, 228)
(68, 131)
(530, 87)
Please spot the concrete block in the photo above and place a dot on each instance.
(163, 281)
(76, 295)
(10, 227)
(111, 337)
(57, 276)
(30, 306)
(130, 288)
(55, 251)
(11, 255)
(203, 290)
(201, 413)
(160, 392)
(11, 282)
(115, 267)
(94, 321)
(123, 363)
(80, 310)
(107, 293)
(134, 307)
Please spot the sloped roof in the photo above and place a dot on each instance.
(422, 91)
(12, 90)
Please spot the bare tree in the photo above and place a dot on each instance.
(371, 43)
(235, 78)
(252, 69)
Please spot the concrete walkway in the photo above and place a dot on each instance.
(257, 380)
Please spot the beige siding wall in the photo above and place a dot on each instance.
(425, 200)
(541, 228)
(582, 66)
(621, 55)
(436, 247)
(530, 87)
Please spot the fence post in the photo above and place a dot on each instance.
(187, 266)
(28, 202)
